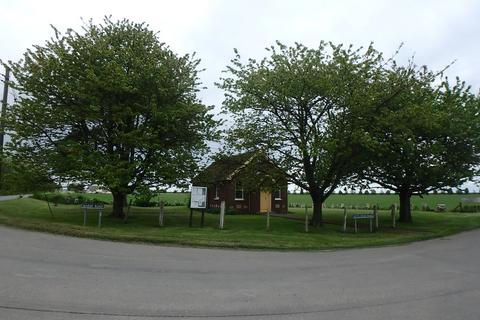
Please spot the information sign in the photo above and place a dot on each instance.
(198, 199)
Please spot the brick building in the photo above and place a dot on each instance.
(248, 183)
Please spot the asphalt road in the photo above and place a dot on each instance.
(12, 197)
(52, 277)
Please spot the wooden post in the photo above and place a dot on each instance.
(191, 218)
(222, 214)
(306, 218)
(203, 218)
(344, 219)
(161, 205)
(128, 211)
(99, 218)
(371, 227)
(268, 220)
(84, 216)
(393, 216)
(375, 214)
(355, 222)
(48, 203)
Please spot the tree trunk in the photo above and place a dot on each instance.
(119, 200)
(317, 199)
(405, 210)
(317, 218)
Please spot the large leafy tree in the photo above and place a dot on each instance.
(110, 105)
(21, 176)
(308, 110)
(426, 138)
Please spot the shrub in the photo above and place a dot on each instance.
(60, 198)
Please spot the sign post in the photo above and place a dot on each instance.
(202, 220)
(198, 200)
(191, 218)
(87, 206)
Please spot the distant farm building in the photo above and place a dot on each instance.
(248, 183)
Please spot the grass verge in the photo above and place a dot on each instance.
(241, 231)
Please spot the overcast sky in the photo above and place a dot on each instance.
(436, 32)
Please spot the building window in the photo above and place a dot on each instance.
(238, 191)
(216, 193)
(278, 194)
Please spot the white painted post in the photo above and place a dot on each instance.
(268, 220)
(161, 214)
(306, 218)
(344, 219)
(222, 214)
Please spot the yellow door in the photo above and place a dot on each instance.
(265, 201)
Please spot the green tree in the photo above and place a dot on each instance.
(307, 110)
(22, 176)
(111, 105)
(76, 187)
(425, 139)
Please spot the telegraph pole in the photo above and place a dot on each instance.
(2, 120)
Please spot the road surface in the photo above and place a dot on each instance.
(45, 276)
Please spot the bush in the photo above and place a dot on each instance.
(143, 198)
(76, 187)
(467, 208)
(60, 198)
(142, 202)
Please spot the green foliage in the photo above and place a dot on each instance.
(20, 175)
(308, 110)
(76, 187)
(143, 198)
(111, 105)
(425, 138)
(65, 198)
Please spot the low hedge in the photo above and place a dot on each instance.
(59, 198)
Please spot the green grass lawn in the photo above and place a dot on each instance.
(241, 231)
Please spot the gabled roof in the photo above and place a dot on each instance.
(224, 169)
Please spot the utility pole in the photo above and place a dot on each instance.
(2, 120)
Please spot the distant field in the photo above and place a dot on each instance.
(384, 200)
(354, 200)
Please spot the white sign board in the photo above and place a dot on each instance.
(198, 198)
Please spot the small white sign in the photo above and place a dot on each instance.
(198, 198)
